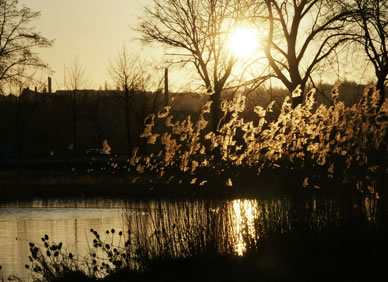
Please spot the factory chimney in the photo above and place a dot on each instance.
(49, 85)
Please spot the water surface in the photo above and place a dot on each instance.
(63, 221)
(229, 221)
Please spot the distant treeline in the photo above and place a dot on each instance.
(41, 124)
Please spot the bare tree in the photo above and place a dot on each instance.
(301, 35)
(196, 32)
(18, 40)
(126, 72)
(137, 79)
(76, 79)
(372, 18)
(99, 116)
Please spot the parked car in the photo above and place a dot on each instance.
(96, 152)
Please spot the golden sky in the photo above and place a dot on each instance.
(93, 30)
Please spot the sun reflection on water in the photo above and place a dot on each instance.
(245, 215)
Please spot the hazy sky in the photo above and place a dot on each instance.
(93, 30)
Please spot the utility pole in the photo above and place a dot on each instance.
(49, 84)
(166, 98)
(74, 122)
(64, 77)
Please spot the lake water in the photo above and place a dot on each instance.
(64, 221)
(70, 221)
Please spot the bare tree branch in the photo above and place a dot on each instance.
(198, 29)
(301, 35)
(18, 40)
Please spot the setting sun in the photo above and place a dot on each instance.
(243, 41)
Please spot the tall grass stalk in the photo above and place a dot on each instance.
(336, 144)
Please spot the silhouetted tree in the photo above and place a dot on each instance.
(197, 32)
(127, 72)
(372, 18)
(18, 40)
(149, 99)
(98, 116)
(76, 79)
(301, 35)
(139, 87)
(23, 106)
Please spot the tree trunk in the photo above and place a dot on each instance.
(381, 87)
(20, 142)
(298, 99)
(19, 129)
(127, 121)
(74, 123)
(166, 94)
(216, 109)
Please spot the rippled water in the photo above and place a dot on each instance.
(69, 222)
(63, 221)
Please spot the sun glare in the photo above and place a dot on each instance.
(243, 41)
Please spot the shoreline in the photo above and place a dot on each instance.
(25, 184)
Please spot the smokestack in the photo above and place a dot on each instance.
(166, 98)
(49, 85)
